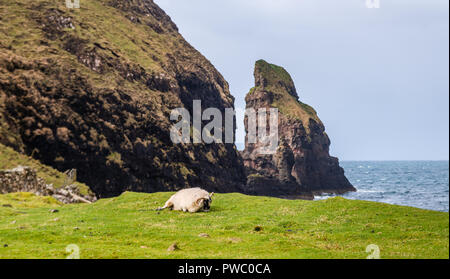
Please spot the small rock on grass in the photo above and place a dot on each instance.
(205, 235)
(234, 240)
(173, 247)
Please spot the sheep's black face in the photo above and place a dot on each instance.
(207, 204)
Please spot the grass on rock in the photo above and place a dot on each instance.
(10, 159)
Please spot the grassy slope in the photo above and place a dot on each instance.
(10, 159)
(27, 200)
(128, 227)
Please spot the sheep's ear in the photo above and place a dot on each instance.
(212, 194)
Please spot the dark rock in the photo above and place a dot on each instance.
(258, 229)
(173, 247)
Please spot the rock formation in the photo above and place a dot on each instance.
(25, 179)
(92, 89)
(301, 165)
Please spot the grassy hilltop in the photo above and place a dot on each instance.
(238, 227)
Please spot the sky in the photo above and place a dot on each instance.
(378, 77)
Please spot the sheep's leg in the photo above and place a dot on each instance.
(169, 204)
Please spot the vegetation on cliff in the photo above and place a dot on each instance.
(278, 81)
(93, 88)
(10, 159)
(129, 227)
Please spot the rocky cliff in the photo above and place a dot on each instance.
(25, 179)
(92, 89)
(301, 165)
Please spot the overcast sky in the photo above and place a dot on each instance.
(378, 78)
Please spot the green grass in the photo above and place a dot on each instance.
(273, 73)
(26, 200)
(292, 108)
(129, 227)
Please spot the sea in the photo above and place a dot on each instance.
(422, 184)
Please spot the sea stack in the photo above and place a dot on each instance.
(301, 165)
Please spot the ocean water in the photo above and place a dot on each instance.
(422, 184)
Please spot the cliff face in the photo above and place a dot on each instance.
(92, 89)
(301, 165)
